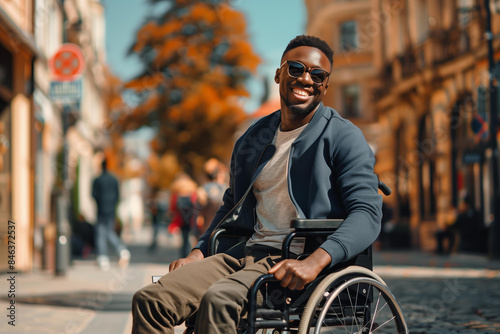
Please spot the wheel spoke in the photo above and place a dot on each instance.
(356, 318)
(352, 309)
(380, 326)
(376, 312)
(328, 311)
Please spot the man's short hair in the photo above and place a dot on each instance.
(312, 41)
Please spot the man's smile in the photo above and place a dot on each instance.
(300, 94)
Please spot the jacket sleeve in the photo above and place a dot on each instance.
(353, 167)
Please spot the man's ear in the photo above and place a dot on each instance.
(277, 76)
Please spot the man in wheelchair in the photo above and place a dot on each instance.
(302, 161)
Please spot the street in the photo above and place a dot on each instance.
(449, 305)
(456, 294)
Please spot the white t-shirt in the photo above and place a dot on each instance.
(274, 207)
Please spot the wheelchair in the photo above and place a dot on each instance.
(347, 298)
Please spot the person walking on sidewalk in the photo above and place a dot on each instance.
(303, 161)
(184, 209)
(105, 190)
(215, 172)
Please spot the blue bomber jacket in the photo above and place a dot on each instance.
(331, 175)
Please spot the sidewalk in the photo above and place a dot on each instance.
(89, 301)
(85, 300)
(424, 264)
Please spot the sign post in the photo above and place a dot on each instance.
(66, 66)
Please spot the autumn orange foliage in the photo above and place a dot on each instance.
(196, 59)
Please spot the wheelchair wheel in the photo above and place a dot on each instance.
(352, 305)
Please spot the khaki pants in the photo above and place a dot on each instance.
(216, 287)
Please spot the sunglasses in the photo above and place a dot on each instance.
(296, 69)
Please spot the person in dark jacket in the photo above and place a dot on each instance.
(105, 190)
(302, 161)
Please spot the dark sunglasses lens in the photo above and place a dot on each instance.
(295, 69)
(318, 76)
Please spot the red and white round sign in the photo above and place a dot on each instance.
(68, 63)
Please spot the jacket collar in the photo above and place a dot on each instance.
(312, 131)
(314, 128)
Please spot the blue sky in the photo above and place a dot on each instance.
(271, 25)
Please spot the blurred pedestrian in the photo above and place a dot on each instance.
(105, 190)
(446, 235)
(469, 229)
(158, 210)
(212, 191)
(83, 237)
(184, 209)
(461, 227)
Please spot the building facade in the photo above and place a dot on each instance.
(48, 147)
(424, 86)
(17, 55)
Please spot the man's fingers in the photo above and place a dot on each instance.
(300, 285)
(276, 267)
(176, 264)
(172, 266)
(285, 281)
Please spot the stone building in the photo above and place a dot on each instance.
(414, 76)
(37, 131)
(17, 55)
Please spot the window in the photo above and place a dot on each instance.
(6, 66)
(429, 188)
(349, 36)
(423, 21)
(47, 27)
(465, 11)
(350, 98)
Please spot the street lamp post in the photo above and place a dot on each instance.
(495, 225)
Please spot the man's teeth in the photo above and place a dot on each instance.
(300, 92)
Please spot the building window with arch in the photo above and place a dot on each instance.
(349, 40)
(427, 169)
(403, 171)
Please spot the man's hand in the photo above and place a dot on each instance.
(295, 274)
(195, 255)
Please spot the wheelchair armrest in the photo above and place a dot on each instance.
(212, 242)
(384, 188)
(238, 235)
(300, 224)
(308, 228)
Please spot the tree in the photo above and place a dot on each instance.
(196, 59)
(113, 150)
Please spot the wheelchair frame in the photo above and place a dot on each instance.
(324, 295)
(293, 318)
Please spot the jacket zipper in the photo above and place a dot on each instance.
(289, 183)
(246, 192)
